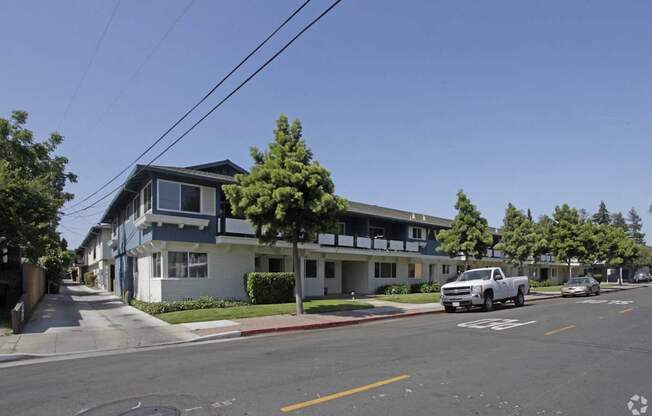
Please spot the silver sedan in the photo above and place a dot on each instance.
(580, 286)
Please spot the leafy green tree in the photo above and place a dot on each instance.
(469, 234)
(602, 217)
(518, 235)
(567, 236)
(615, 248)
(32, 182)
(287, 194)
(618, 220)
(634, 227)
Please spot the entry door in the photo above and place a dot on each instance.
(112, 278)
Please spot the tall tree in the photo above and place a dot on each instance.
(469, 234)
(634, 227)
(542, 237)
(618, 221)
(287, 194)
(517, 236)
(615, 248)
(567, 237)
(602, 217)
(32, 182)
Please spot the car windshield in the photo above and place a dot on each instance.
(578, 281)
(475, 275)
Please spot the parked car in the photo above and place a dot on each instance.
(580, 286)
(640, 277)
(483, 287)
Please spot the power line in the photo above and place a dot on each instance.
(243, 83)
(90, 64)
(142, 64)
(187, 113)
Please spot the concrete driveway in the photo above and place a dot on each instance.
(82, 319)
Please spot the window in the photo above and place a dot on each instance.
(179, 197)
(341, 228)
(275, 265)
(156, 265)
(385, 270)
(418, 233)
(182, 264)
(114, 227)
(137, 206)
(311, 269)
(415, 270)
(147, 198)
(376, 232)
(329, 270)
(445, 269)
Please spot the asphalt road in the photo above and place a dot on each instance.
(568, 357)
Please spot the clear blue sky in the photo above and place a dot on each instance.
(534, 103)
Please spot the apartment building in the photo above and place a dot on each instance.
(173, 237)
(94, 255)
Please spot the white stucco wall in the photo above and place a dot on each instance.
(334, 285)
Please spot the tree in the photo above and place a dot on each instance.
(287, 195)
(541, 237)
(615, 248)
(602, 217)
(469, 234)
(567, 236)
(618, 220)
(32, 182)
(634, 226)
(517, 236)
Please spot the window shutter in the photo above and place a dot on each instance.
(208, 200)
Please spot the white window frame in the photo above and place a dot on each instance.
(187, 252)
(158, 197)
(341, 224)
(445, 269)
(422, 231)
(393, 269)
(305, 269)
(142, 199)
(334, 269)
(153, 264)
(417, 267)
(136, 210)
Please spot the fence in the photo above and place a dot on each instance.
(34, 285)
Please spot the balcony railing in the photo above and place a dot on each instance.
(237, 226)
(367, 243)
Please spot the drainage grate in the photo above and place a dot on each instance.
(153, 411)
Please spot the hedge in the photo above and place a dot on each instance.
(203, 302)
(263, 288)
(404, 289)
(540, 283)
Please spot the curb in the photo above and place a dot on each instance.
(323, 325)
(550, 295)
(6, 358)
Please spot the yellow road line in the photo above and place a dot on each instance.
(626, 310)
(297, 406)
(556, 331)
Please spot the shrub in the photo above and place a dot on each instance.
(395, 289)
(204, 302)
(540, 283)
(89, 279)
(429, 288)
(415, 287)
(265, 288)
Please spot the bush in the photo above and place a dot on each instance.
(204, 302)
(268, 287)
(540, 283)
(395, 289)
(89, 279)
(415, 287)
(429, 288)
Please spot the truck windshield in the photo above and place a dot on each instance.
(475, 275)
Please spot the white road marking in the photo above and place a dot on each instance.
(495, 324)
(136, 406)
(193, 409)
(607, 302)
(223, 403)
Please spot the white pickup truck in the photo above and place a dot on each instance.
(483, 287)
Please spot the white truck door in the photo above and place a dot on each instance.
(502, 288)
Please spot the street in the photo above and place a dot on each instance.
(579, 356)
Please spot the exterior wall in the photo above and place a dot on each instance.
(334, 285)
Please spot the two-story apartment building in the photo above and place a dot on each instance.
(173, 237)
(95, 256)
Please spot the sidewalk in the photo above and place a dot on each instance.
(80, 319)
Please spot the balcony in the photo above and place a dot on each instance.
(367, 243)
(238, 226)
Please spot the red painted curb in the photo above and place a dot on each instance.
(321, 325)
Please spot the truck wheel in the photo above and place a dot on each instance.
(488, 302)
(520, 299)
(449, 309)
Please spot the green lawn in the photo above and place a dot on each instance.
(411, 298)
(251, 311)
(546, 289)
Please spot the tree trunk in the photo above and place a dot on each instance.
(570, 270)
(296, 266)
(620, 276)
